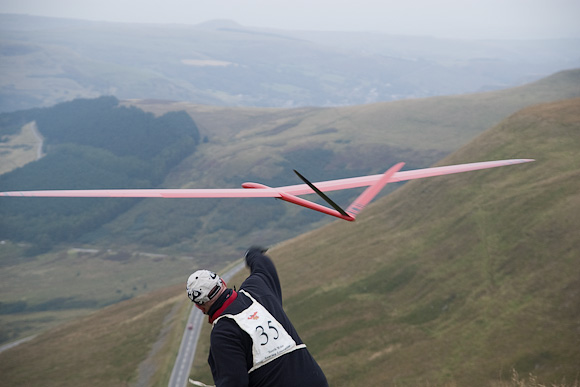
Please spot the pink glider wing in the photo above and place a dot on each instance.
(261, 191)
(287, 193)
(151, 193)
(365, 181)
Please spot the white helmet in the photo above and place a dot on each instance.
(203, 285)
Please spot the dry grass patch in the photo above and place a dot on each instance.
(21, 149)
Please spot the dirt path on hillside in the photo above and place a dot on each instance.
(21, 149)
(40, 140)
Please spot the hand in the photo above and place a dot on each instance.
(255, 250)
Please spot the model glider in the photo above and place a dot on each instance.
(290, 193)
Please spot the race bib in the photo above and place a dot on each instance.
(269, 338)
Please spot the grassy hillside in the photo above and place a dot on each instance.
(448, 281)
(264, 145)
(76, 282)
(439, 124)
(452, 280)
(131, 343)
(243, 144)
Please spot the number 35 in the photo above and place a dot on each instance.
(263, 333)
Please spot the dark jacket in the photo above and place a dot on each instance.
(230, 355)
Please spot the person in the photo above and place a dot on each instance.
(252, 343)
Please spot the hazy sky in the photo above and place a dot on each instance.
(504, 19)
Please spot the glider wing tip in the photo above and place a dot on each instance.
(522, 161)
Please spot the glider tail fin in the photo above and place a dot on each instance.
(369, 194)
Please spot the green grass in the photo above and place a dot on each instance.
(479, 271)
(448, 280)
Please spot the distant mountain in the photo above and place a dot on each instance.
(452, 280)
(48, 60)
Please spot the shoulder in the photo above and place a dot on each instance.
(224, 326)
(227, 335)
(225, 332)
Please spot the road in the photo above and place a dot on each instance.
(180, 373)
(15, 343)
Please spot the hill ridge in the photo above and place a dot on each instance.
(49, 60)
(454, 279)
(457, 279)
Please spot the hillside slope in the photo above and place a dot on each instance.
(453, 279)
(150, 244)
(264, 145)
(450, 279)
(130, 343)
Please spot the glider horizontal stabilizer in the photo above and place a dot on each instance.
(322, 195)
(337, 211)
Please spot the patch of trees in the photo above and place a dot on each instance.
(90, 144)
(11, 123)
(124, 131)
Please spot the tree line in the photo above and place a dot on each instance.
(89, 144)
